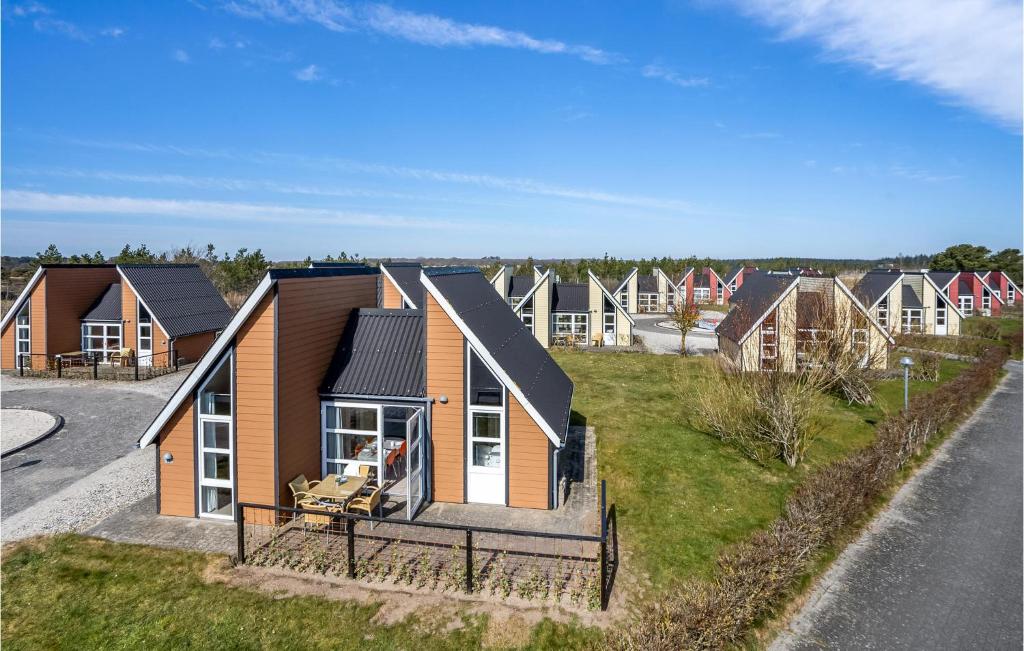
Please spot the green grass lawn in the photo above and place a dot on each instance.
(681, 496)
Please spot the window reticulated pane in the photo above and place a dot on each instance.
(216, 465)
(362, 419)
(484, 387)
(487, 426)
(216, 435)
(215, 398)
(487, 455)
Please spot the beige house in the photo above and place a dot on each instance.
(906, 302)
(561, 313)
(776, 320)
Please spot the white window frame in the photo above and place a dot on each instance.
(986, 302)
(966, 302)
(719, 292)
(514, 301)
(732, 286)
(909, 318)
(106, 336)
(201, 480)
(499, 410)
(23, 333)
(860, 342)
(883, 312)
(670, 300)
(1011, 294)
(526, 314)
(575, 320)
(624, 299)
(144, 358)
(940, 313)
(773, 330)
(326, 431)
(806, 343)
(647, 302)
(701, 294)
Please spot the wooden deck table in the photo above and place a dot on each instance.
(329, 490)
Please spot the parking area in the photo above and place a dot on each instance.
(88, 467)
(663, 340)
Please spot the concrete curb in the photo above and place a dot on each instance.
(58, 424)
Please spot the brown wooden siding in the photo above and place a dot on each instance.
(69, 293)
(178, 478)
(528, 450)
(130, 319)
(254, 406)
(445, 376)
(192, 347)
(390, 298)
(7, 346)
(37, 330)
(311, 315)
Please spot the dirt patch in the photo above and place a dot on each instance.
(509, 618)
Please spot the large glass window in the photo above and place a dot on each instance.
(215, 396)
(101, 338)
(883, 312)
(701, 294)
(484, 388)
(769, 341)
(216, 444)
(1011, 294)
(912, 319)
(986, 301)
(806, 345)
(647, 302)
(940, 313)
(967, 305)
(23, 333)
(486, 440)
(526, 314)
(624, 299)
(351, 438)
(609, 317)
(567, 327)
(145, 335)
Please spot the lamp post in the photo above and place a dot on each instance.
(906, 363)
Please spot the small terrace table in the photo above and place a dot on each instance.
(330, 490)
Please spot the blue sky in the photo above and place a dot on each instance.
(748, 128)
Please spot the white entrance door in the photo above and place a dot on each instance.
(415, 478)
(940, 317)
(216, 497)
(145, 337)
(485, 463)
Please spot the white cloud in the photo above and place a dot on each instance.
(31, 201)
(181, 56)
(216, 44)
(656, 71)
(113, 32)
(966, 50)
(28, 9)
(312, 72)
(425, 29)
(48, 25)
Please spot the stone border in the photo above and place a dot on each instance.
(58, 424)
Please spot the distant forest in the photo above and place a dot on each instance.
(236, 274)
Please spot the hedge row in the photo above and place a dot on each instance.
(754, 577)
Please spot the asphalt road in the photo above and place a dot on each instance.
(103, 420)
(664, 341)
(941, 567)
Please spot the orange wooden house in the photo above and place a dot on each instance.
(159, 311)
(454, 401)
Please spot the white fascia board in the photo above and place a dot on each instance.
(533, 290)
(207, 360)
(989, 288)
(610, 297)
(889, 290)
(626, 281)
(846, 290)
(23, 296)
(771, 308)
(945, 298)
(481, 350)
(138, 296)
(391, 278)
(501, 270)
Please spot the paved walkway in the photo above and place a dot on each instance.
(941, 567)
(21, 426)
(665, 341)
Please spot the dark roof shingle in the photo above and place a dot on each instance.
(107, 307)
(647, 284)
(874, 285)
(520, 285)
(380, 354)
(180, 296)
(407, 277)
(510, 343)
(750, 302)
(570, 297)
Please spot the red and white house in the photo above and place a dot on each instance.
(972, 293)
(1002, 286)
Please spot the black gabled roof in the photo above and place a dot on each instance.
(107, 307)
(570, 297)
(407, 277)
(381, 353)
(910, 297)
(180, 296)
(874, 285)
(520, 285)
(942, 278)
(752, 299)
(647, 284)
(510, 343)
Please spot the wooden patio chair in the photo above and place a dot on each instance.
(300, 490)
(366, 504)
(329, 511)
(123, 357)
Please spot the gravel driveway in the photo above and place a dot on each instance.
(103, 421)
(664, 341)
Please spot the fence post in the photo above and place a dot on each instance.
(136, 365)
(240, 520)
(469, 561)
(60, 364)
(175, 353)
(350, 531)
(603, 560)
(95, 367)
(21, 364)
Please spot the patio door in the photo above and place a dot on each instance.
(415, 477)
(145, 336)
(485, 473)
(940, 317)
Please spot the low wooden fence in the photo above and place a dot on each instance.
(569, 569)
(94, 367)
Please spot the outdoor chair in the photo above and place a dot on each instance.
(300, 491)
(366, 504)
(123, 357)
(330, 511)
(389, 463)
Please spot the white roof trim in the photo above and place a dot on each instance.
(888, 290)
(23, 296)
(501, 270)
(989, 288)
(626, 281)
(481, 350)
(846, 290)
(1009, 281)
(138, 296)
(717, 276)
(778, 301)
(688, 272)
(945, 298)
(533, 290)
(610, 297)
(207, 360)
(405, 296)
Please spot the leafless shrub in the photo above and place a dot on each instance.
(926, 367)
(754, 576)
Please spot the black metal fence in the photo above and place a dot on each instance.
(570, 569)
(84, 366)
